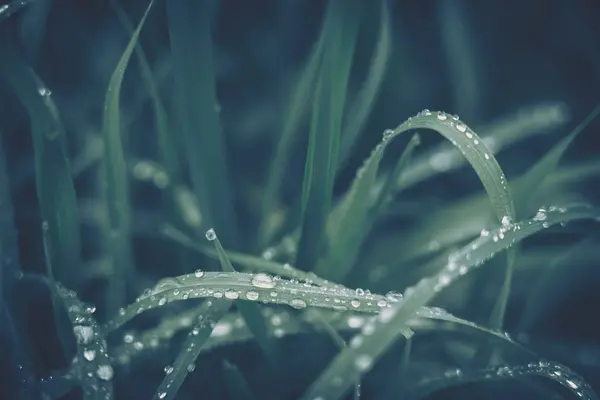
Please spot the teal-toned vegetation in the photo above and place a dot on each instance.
(326, 268)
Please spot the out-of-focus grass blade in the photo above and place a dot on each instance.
(212, 311)
(115, 182)
(385, 328)
(33, 25)
(237, 387)
(9, 253)
(361, 107)
(297, 109)
(523, 195)
(250, 311)
(190, 23)
(348, 221)
(55, 189)
(167, 148)
(546, 369)
(341, 26)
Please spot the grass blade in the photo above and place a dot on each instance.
(193, 69)
(297, 110)
(237, 387)
(523, 195)
(341, 27)
(362, 106)
(349, 220)
(115, 181)
(212, 311)
(54, 185)
(385, 328)
(250, 311)
(546, 369)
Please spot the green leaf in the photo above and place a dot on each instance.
(341, 25)
(116, 184)
(190, 23)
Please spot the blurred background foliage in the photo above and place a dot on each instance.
(485, 61)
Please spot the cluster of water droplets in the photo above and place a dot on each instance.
(150, 171)
(547, 369)
(91, 366)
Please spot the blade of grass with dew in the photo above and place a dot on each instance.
(349, 224)
(9, 253)
(343, 18)
(384, 330)
(248, 261)
(190, 23)
(54, 185)
(527, 123)
(211, 312)
(237, 387)
(297, 109)
(361, 107)
(546, 369)
(91, 366)
(285, 323)
(115, 182)
(523, 196)
(250, 311)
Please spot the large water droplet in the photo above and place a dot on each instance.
(198, 273)
(298, 303)
(210, 235)
(252, 295)
(105, 372)
(262, 280)
(84, 334)
(89, 354)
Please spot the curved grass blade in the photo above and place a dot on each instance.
(54, 185)
(212, 311)
(546, 369)
(342, 21)
(370, 345)
(528, 122)
(361, 107)
(250, 311)
(115, 182)
(349, 221)
(91, 367)
(237, 387)
(190, 23)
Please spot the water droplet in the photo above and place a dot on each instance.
(298, 303)
(382, 303)
(442, 116)
(355, 321)
(540, 215)
(162, 395)
(393, 297)
(162, 301)
(169, 369)
(84, 334)
(105, 372)
(359, 292)
(191, 367)
(461, 127)
(387, 133)
(89, 354)
(506, 221)
(363, 362)
(232, 294)
(252, 295)
(262, 280)
(210, 235)
(355, 303)
(128, 338)
(198, 273)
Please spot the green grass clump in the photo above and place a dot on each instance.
(319, 272)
